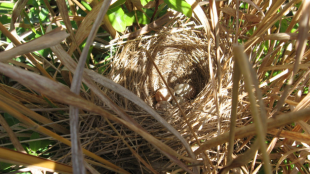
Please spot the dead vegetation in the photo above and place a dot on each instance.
(249, 112)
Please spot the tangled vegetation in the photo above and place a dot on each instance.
(79, 81)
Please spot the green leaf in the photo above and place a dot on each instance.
(10, 119)
(117, 3)
(45, 144)
(180, 6)
(144, 2)
(20, 59)
(87, 6)
(4, 165)
(33, 15)
(43, 15)
(45, 52)
(129, 18)
(116, 17)
(35, 145)
(142, 18)
(33, 3)
(5, 19)
(6, 5)
(244, 5)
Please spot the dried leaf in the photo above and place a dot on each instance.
(14, 157)
(50, 39)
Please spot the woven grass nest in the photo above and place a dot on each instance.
(176, 58)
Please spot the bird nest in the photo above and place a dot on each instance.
(170, 59)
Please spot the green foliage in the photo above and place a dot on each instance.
(180, 6)
(6, 8)
(4, 166)
(37, 146)
(117, 3)
(5, 19)
(142, 18)
(86, 5)
(10, 119)
(144, 2)
(306, 90)
(129, 18)
(116, 17)
(244, 6)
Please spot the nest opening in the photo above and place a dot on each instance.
(174, 58)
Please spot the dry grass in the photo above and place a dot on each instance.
(250, 109)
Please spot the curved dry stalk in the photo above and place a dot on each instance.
(65, 16)
(123, 91)
(83, 31)
(33, 115)
(202, 16)
(43, 130)
(249, 130)
(234, 105)
(49, 39)
(61, 93)
(268, 21)
(295, 136)
(255, 6)
(300, 45)
(77, 154)
(17, 9)
(259, 119)
(28, 55)
(287, 154)
(14, 157)
(131, 149)
(11, 135)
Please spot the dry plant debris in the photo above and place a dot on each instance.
(224, 91)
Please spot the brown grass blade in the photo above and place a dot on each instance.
(283, 36)
(123, 91)
(217, 89)
(131, 149)
(268, 21)
(201, 16)
(65, 16)
(242, 159)
(34, 115)
(259, 119)
(287, 154)
(61, 93)
(295, 136)
(283, 67)
(77, 155)
(18, 7)
(300, 45)
(114, 34)
(249, 130)
(296, 18)
(49, 39)
(29, 56)
(22, 96)
(85, 27)
(248, 17)
(13, 157)
(233, 118)
(11, 135)
(151, 26)
(47, 132)
(255, 6)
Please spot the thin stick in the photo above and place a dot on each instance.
(77, 154)
(234, 105)
(258, 121)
